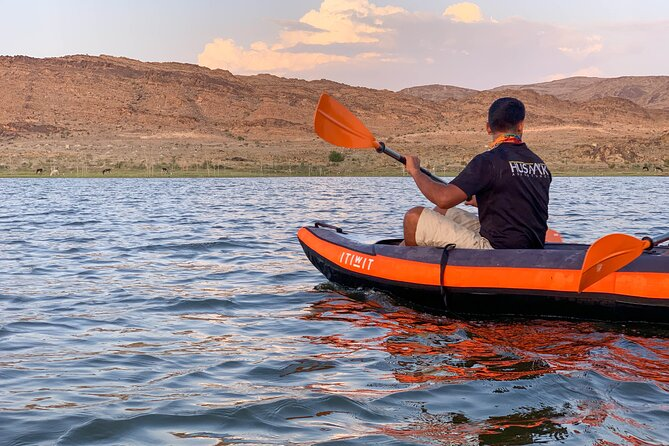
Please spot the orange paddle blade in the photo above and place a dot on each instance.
(553, 236)
(607, 255)
(337, 125)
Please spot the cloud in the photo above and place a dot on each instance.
(341, 21)
(465, 12)
(591, 44)
(587, 71)
(335, 22)
(360, 43)
(260, 58)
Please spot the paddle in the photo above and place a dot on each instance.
(337, 125)
(612, 252)
(553, 236)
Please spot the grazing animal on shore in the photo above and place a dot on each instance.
(166, 170)
(658, 169)
(54, 172)
(106, 171)
(39, 171)
(645, 168)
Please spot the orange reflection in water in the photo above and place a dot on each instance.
(426, 348)
(519, 428)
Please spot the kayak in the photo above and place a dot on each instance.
(500, 282)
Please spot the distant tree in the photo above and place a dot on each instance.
(336, 157)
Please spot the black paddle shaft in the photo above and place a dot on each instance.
(396, 156)
(657, 240)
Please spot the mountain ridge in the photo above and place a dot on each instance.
(53, 105)
(646, 91)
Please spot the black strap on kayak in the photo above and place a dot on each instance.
(322, 224)
(442, 271)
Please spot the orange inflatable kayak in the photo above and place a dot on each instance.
(517, 282)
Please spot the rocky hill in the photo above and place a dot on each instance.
(109, 110)
(646, 91)
(439, 92)
(108, 96)
(84, 95)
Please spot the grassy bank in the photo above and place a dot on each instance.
(566, 153)
(306, 171)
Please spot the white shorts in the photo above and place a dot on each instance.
(457, 226)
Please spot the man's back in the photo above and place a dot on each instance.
(511, 184)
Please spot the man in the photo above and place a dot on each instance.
(509, 184)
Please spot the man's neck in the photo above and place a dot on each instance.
(504, 137)
(509, 134)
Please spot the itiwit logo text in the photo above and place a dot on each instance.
(356, 261)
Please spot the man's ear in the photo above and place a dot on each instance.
(488, 129)
(521, 126)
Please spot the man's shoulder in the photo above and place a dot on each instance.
(534, 155)
(525, 150)
(487, 155)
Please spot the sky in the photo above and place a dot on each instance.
(390, 44)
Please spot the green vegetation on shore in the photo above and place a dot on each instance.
(337, 170)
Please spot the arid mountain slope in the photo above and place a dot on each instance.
(114, 110)
(646, 91)
(84, 95)
(439, 92)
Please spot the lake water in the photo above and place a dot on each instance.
(143, 311)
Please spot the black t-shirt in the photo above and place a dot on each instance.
(511, 185)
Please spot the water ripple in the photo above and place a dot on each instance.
(138, 311)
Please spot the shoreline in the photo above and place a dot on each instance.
(326, 174)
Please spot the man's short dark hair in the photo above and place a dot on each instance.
(505, 114)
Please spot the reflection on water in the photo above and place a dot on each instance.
(427, 350)
(184, 312)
